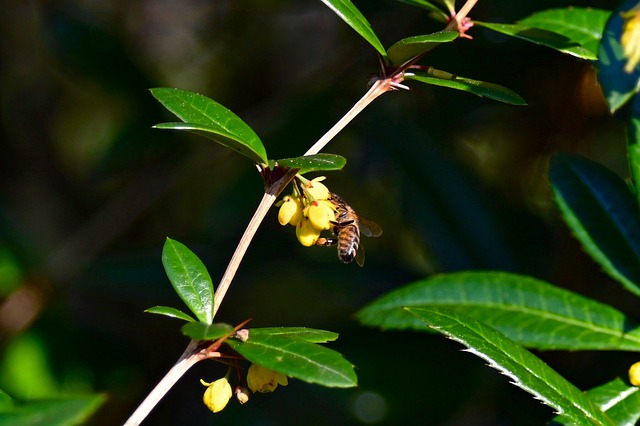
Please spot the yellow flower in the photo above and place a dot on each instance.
(217, 394)
(242, 394)
(261, 379)
(307, 234)
(631, 39)
(634, 374)
(320, 213)
(316, 189)
(290, 210)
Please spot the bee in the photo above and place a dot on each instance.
(347, 228)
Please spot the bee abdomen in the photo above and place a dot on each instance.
(348, 242)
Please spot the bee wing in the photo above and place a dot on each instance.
(360, 255)
(369, 227)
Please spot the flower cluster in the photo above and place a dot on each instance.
(308, 209)
(259, 379)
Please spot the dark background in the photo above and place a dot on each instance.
(89, 192)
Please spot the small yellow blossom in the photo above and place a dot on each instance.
(320, 213)
(631, 39)
(634, 374)
(261, 379)
(316, 189)
(307, 234)
(217, 394)
(290, 211)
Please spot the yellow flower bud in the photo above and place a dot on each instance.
(316, 189)
(307, 234)
(217, 394)
(290, 211)
(261, 379)
(320, 213)
(631, 39)
(634, 374)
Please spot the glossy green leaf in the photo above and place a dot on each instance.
(208, 118)
(352, 16)
(52, 412)
(523, 368)
(583, 26)
(189, 278)
(202, 331)
(633, 144)
(170, 312)
(297, 358)
(542, 37)
(603, 214)
(430, 7)
(620, 401)
(311, 335)
(314, 163)
(529, 311)
(475, 87)
(408, 48)
(618, 86)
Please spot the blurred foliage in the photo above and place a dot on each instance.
(89, 192)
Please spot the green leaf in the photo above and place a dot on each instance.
(443, 17)
(521, 366)
(208, 118)
(410, 47)
(530, 312)
(53, 412)
(602, 213)
(620, 401)
(542, 37)
(296, 358)
(618, 86)
(314, 163)
(311, 335)
(170, 312)
(633, 144)
(189, 278)
(352, 16)
(475, 87)
(202, 331)
(583, 26)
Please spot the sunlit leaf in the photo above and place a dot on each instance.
(523, 368)
(208, 118)
(297, 358)
(170, 312)
(618, 86)
(620, 401)
(541, 36)
(529, 311)
(189, 278)
(202, 331)
(313, 163)
(603, 214)
(411, 47)
(52, 412)
(311, 335)
(475, 87)
(352, 16)
(581, 25)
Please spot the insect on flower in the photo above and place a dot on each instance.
(347, 229)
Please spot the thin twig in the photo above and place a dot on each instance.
(186, 360)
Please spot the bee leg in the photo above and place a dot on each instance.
(326, 241)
